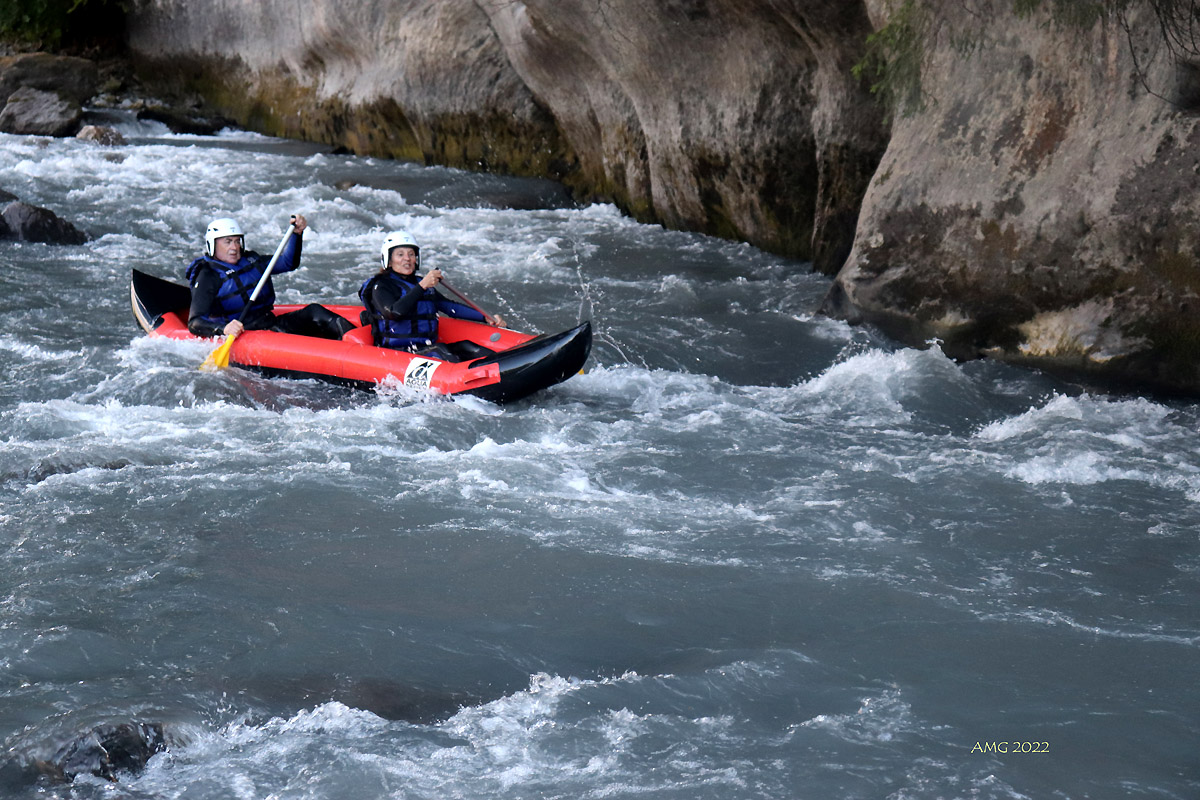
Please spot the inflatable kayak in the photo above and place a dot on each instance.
(519, 365)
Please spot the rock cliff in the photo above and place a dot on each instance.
(730, 117)
(1040, 207)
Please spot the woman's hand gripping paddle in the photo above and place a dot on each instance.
(219, 358)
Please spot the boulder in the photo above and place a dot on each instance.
(100, 134)
(34, 112)
(28, 223)
(105, 752)
(1042, 209)
(74, 78)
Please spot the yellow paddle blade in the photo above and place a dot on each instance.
(218, 358)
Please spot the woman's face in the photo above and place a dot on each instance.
(403, 260)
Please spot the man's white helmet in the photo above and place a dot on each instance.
(218, 228)
(398, 239)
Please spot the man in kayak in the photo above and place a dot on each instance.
(223, 279)
(402, 306)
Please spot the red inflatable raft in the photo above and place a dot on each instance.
(521, 363)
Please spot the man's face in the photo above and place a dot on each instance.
(228, 249)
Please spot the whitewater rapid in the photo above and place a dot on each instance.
(750, 553)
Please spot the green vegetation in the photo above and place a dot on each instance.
(52, 24)
(893, 58)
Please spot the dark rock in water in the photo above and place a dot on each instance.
(386, 698)
(185, 122)
(33, 112)
(74, 78)
(100, 134)
(393, 701)
(34, 224)
(106, 751)
(5, 198)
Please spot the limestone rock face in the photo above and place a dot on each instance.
(1043, 207)
(733, 117)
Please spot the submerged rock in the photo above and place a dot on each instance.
(105, 752)
(186, 121)
(5, 199)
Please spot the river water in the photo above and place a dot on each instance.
(750, 553)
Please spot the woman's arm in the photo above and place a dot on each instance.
(391, 303)
(458, 310)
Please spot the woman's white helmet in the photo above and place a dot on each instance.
(218, 228)
(398, 239)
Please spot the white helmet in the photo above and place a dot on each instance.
(218, 228)
(398, 239)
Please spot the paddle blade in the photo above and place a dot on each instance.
(219, 358)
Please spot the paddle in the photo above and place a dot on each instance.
(487, 317)
(219, 358)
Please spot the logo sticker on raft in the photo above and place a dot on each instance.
(419, 373)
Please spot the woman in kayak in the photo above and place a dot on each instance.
(223, 279)
(402, 305)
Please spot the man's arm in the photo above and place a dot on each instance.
(204, 297)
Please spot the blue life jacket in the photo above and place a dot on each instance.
(418, 330)
(237, 284)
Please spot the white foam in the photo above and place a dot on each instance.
(31, 352)
(874, 385)
(1079, 469)
(1074, 410)
(879, 719)
(1083, 441)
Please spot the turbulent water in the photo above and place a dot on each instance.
(750, 553)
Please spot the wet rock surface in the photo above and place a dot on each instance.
(1044, 210)
(110, 751)
(29, 223)
(106, 752)
(101, 134)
